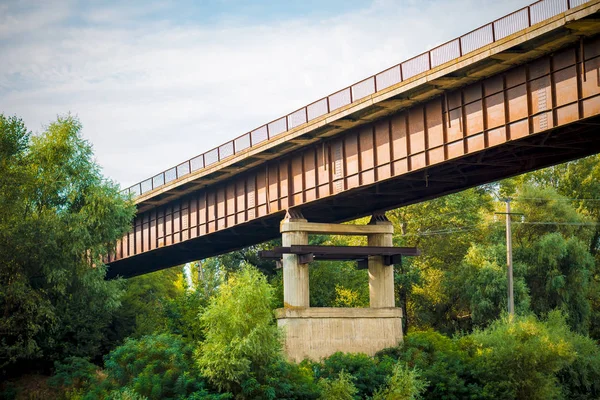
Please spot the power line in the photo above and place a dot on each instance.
(546, 199)
(444, 231)
(559, 223)
(448, 231)
(444, 214)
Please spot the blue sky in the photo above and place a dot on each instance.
(155, 83)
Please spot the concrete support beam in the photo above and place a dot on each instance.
(316, 228)
(295, 275)
(316, 333)
(381, 276)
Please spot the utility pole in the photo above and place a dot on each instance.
(509, 261)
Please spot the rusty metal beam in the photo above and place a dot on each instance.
(530, 116)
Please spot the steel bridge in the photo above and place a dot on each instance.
(514, 95)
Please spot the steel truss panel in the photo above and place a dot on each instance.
(531, 116)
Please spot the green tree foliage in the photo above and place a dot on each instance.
(443, 229)
(241, 337)
(444, 363)
(145, 303)
(236, 260)
(125, 394)
(558, 278)
(281, 380)
(183, 312)
(581, 379)
(483, 281)
(545, 205)
(156, 367)
(403, 384)
(520, 358)
(575, 186)
(340, 388)
(338, 284)
(58, 218)
(579, 182)
(369, 374)
(74, 373)
(202, 280)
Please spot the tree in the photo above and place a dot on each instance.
(483, 282)
(443, 229)
(146, 303)
(558, 278)
(58, 218)
(579, 182)
(403, 384)
(241, 337)
(445, 365)
(569, 194)
(368, 373)
(235, 260)
(519, 358)
(340, 388)
(552, 248)
(155, 366)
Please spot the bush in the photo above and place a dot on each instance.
(8, 391)
(513, 358)
(125, 394)
(369, 374)
(403, 384)
(241, 336)
(204, 395)
(581, 379)
(341, 388)
(74, 373)
(519, 358)
(157, 367)
(280, 380)
(443, 362)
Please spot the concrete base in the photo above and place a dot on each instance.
(316, 333)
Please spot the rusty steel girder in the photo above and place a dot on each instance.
(531, 116)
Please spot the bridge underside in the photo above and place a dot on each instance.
(562, 144)
(531, 106)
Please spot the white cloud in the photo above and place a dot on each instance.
(154, 94)
(26, 16)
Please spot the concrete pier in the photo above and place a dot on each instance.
(316, 333)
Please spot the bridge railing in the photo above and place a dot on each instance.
(474, 40)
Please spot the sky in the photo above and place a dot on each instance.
(155, 83)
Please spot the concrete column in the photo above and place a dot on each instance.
(381, 277)
(295, 275)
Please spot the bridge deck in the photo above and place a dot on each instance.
(528, 100)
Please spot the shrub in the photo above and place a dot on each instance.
(74, 373)
(369, 374)
(340, 388)
(443, 362)
(291, 381)
(280, 380)
(241, 336)
(581, 379)
(125, 394)
(157, 367)
(520, 357)
(513, 358)
(403, 384)
(204, 395)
